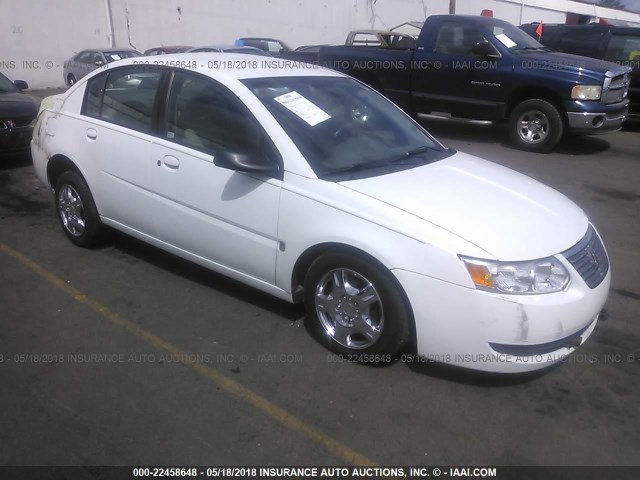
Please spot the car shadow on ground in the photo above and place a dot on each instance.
(9, 161)
(473, 377)
(120, 243)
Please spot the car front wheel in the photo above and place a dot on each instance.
(71, 80)
(536, 126)
(355, 307)
(76, 210)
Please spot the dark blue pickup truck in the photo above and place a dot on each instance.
(485, 69)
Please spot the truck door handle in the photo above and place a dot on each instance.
(171, 162)
(92, 134)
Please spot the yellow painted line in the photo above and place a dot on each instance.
(225, 383)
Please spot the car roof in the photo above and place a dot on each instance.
(229, 63)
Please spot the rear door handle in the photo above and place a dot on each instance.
(92, 134)
(171, 162)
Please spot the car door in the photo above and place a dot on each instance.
(115, 141)
(452, 78)
(227, 217)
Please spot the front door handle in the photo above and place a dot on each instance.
(171, 162)
(92, 134)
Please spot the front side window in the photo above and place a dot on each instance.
(457, 38)
(124, 97)
(205, 116)
(85, 57)
(344, 129)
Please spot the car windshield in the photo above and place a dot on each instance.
(513, 38)
(344, 129)
(114, 56)
(6, 85)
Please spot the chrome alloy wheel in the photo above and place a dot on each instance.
(349, 308)
(533, 126)
(71, 210)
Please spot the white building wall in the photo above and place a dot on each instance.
(36, 36)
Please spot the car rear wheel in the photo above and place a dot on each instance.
(76, 210)
(71, 80)
(355, 307)
(536, 126)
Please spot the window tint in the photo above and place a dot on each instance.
(585, 42)
(457, 38)
(93, 101)
(623, 47)
(204, 116)
(124, 97)
(85, 57)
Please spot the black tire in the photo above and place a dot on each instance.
(536, 126)
(368, 326)
(77, 211)
(71, 80)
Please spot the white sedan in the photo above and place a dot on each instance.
(308, 185)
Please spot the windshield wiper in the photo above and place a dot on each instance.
(411, 153)
(355, 168)
(399, 160)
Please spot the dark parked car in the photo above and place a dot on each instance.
(620, 45)
(88, 60)
(17, 111)
(166, 50)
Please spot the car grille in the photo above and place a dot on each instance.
(617, 89)
(10, 124)
(589, 258)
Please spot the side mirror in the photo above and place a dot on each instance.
(99, 63)
(244, 162)
(484, 49)
(21, 84)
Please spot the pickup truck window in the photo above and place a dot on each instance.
(457, 38)
(623, 47)
(344, 129)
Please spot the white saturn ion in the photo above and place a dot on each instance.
(308, 185)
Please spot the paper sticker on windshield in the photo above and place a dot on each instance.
(506, 41)
(306, 110)
(115, 56)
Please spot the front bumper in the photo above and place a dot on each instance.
(501, 333)
(596, 118)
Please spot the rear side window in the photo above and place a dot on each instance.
(124, 97)
(586, 43)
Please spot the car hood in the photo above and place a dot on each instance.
(566, 62)
(18, 104)
(507, 214)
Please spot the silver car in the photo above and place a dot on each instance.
(88, 60)
(230, 49)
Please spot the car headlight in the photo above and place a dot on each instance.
(586, 92)
(547, 275)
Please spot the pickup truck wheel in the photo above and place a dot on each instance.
(77, 211)
(536, 125)
(355, 308)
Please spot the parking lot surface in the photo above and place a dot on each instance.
(127, 355)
